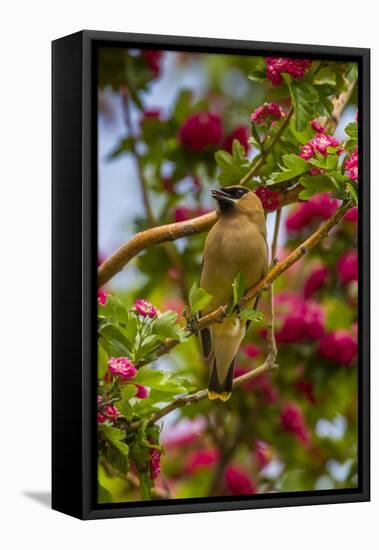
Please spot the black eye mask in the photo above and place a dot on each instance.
(235, 192)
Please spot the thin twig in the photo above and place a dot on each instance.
(262, 160)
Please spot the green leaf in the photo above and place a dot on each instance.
(124, 146)
(304, 96)
(117, 342)
(315, 184)
(294, 166)
(239, 287)
(114, 310)
(351, 130)
(165, 326)
(102, 361)
(352, 71)
(183, 106)
(161, 380)
(145, 486)
(115, 436)
(353, 190)
(232, 167)
(258, 69)
(198, 299)
(251, 314)
(103, 495)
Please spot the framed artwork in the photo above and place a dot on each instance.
(210, 274)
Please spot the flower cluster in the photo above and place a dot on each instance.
(320, 206)
(275, 66)
(347, 267)
(339, 346)
(267, 112)
(299, 319)
(238, 481)
(101, 297)
(315, 280)
(320, 144)
(155, 463)
(270, 199)
(200, 131)
(122, 367)
(145, 308)
(109, 412)
(293, 421)
(317, 127)
(241, 134)
(202, 458)
(351, 165)
(153, 60)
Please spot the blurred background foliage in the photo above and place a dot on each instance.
(162, 117)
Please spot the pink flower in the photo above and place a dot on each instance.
(347, 267)
(153, 59)
(183, 213)
(263, 453)
(241, 134)
(317, 127)
(351, 165)
(292, 420)
(352, 215)
(200, 131)
(99, 399)
(142, 392)
(250, 351)
(339, 346)
(101, 297)
(122, 367)
(320, 206)
(319, 143)
(204, 458)
(315, 280)
(238, 481)
(155, 463)
(268, 112)
(270, 199)
(101, 418)
(275, 66)
(145, 308)
(300, 320)
(111, 412)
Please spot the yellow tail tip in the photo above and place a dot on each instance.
(225, 395)
(213, 395)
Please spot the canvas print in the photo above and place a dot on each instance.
(227, 275)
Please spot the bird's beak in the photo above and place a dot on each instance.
(222, 196)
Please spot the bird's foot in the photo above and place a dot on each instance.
(225, 395)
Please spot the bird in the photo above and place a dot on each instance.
(237, 243)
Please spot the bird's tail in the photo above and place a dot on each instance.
(221, 390)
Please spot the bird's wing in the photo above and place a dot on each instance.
(205, 334)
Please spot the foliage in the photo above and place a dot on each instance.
(297, 429)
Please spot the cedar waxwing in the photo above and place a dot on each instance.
(236, 243)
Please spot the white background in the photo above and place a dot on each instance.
(27, 29)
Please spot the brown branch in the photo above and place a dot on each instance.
(169, 232)
(202, 394)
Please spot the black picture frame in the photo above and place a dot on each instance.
(74, 205)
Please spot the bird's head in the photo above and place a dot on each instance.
(237, 199)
